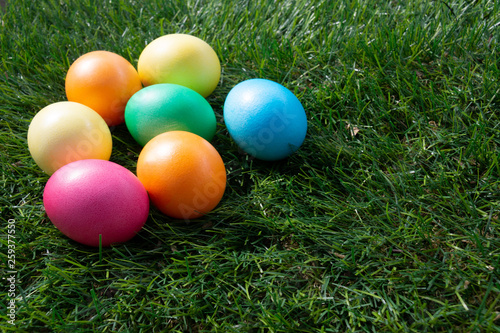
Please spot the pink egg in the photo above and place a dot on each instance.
(88, 198)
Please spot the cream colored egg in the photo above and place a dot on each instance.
(65, 132)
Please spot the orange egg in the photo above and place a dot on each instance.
(183, 174)
(103, 81)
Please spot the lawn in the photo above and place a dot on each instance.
(385, 220)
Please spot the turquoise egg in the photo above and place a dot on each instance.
(265, 119)
(165, 107)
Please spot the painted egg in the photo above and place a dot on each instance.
(181, 59)
(183, 174)
(265, 119)
(168, 107)
(65, 132)
(103, 81)
(93, 201)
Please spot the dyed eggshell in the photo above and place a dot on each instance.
(183, 174)
(103, 81)
(88, 198)
(168, 107)
(65, 132)
(181, 59)
(265, 119)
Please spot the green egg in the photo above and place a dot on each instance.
(165, 107)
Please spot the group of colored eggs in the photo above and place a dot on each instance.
(97, 202)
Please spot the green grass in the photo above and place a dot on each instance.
(386, 219)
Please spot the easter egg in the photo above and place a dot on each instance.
(183, 174)
(65, 132)
(168, 107)
(91, 199)
(103, 81)
(265, 119)
(181, 59)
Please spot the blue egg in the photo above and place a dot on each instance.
(265, 119)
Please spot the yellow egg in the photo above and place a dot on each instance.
(181, 59)
(65, 132)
